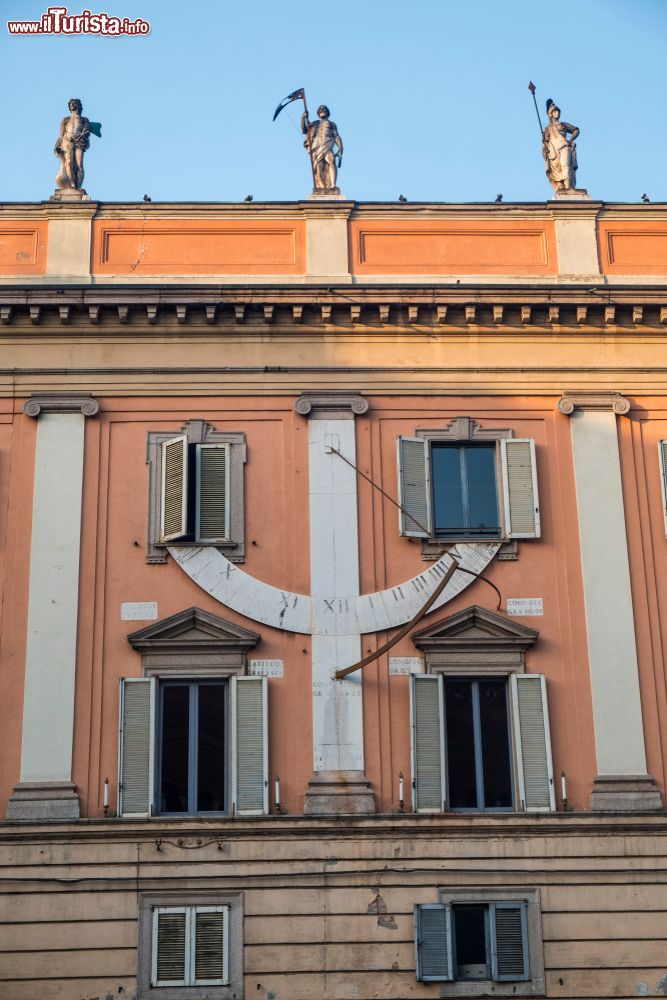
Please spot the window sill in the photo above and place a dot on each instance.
(488, 988)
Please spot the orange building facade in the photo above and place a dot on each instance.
(241, 448)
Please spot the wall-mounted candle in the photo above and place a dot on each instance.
(106, 793)
(563, 787)
(401, 800)
(277, 794)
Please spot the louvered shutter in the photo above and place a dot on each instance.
(522, 508)
(413, 488)
(213, 514)
(662, 456)
(170, 966)
(532, 741)
(433, 943)
(250, 771)
(174, 504)
(428, 750)
(509, 950)
(210, 934)
(135, 756)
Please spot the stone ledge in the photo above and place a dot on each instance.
(625, 793)
(44, 801)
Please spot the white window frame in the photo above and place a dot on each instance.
(190, 978)
(178, 901)
(662, 465)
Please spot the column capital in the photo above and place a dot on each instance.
(331, 405)
(571, 401)
(56, 403)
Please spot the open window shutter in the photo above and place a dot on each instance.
(413, 488)
(250, 766)
(509, 936)
(522, 508)
(428, 747)
(170, 958)
(662, 455)
(210, 933)
(135, 756)
(433, 943)
(212, 515)
(533, 742)
(174, 503)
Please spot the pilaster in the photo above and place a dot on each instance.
(45, 791)
(576, 238)
(622, 781)
(70, 240)
(339, 784)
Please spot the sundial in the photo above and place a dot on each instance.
(334, 614)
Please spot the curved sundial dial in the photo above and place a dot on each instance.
(352, 615)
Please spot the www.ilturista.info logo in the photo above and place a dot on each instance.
(56, 21)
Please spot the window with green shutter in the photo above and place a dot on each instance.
(481, 942)
(190, 946)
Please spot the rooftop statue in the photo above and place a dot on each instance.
(323, 143)
(71, 144)
(559, 152)
(325, 147)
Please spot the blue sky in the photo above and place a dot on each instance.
(430, 98)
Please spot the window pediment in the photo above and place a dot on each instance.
(193, 641)
(475, 638)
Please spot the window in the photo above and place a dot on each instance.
(196, 490)
(662, 457)
(464, 500)
(192, 742)
(190, 946)
(481, 744)
(177, 747)
(467, 482)
(193, 730)
(476, 938)
(477, 747)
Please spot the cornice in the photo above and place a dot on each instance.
(551, 307)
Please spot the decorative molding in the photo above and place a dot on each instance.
(193, 641)
(54, 403)
(625, 793)
(372, 306)
(572, 401)
(475, 640)
(347, 405)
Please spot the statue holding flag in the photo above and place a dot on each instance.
(71, 144)
(323, 143)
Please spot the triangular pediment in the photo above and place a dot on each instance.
(475, 626)
(191, 630)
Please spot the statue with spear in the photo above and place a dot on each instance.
(323, 143)
(559, 152)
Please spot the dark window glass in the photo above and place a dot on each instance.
(174, 757)
(471, 936)
(495, 744)
(211, 748)
(479, 764)
(193, 748)
(460, 745)
(464, 490)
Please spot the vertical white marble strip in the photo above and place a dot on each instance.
(48, 714)
(338, 742)
(612, 653)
